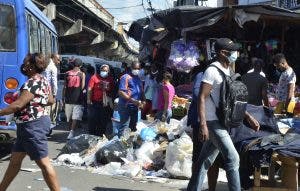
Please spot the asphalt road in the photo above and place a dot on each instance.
(72, 179)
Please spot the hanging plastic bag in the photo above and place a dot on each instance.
(179, 157)
(183, 56)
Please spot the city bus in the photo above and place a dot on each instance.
(23, 29)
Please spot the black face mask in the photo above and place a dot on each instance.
(278, 72)
(23, 69)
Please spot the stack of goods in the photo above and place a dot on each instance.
(180, 106)
(183, 56)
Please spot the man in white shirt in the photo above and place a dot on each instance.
(215, 135)
(51, 75)
(286, 86)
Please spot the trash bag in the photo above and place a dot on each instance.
(148, 134)
(145, 154)
(112, 151)
(71, 159)
(179, 157)
(81, 143)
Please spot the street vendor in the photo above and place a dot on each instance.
(286, 86)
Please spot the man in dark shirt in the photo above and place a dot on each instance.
(72, 95)
(256, 85)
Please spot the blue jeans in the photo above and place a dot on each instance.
(219, 141)
(168, 117)
(128, 118)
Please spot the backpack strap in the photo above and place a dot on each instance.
(221, 89)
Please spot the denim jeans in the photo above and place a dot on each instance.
(128, 118)
(168, 117)
(219, 141)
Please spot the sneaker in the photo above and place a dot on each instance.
(71, 135)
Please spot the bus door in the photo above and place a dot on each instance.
(8, 55)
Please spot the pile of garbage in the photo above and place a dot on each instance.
(155, 149)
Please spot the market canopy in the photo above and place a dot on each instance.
(233, 21)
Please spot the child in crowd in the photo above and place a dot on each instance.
(116, 118)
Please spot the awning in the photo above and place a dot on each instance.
(195, 21)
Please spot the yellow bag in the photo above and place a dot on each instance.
(291, 106)
(281, 107)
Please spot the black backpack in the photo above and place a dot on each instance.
(233, 100)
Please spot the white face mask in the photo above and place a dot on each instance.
(135, 72)
(103, 74)
(233, 56)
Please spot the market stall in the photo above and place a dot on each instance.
(184, 37)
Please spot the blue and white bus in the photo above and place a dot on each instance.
(23, 29)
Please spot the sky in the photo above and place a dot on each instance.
(128, 11)
(135, 9)
(131, 10)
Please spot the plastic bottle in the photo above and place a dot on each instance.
(126, 133)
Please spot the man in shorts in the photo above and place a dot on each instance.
(72, 94)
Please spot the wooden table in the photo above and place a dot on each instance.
(289, 175)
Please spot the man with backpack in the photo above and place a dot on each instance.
(222, 105)
(73, 95)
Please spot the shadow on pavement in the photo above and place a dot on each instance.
(5, 151)
(112, 189)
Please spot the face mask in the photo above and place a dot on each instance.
(135, 72)
(153, 73)
(103, 74)
(278, 73)
(233, 57)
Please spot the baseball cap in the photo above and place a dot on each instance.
(226, 44)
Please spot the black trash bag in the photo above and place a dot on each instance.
(80, 144)
(112, 151)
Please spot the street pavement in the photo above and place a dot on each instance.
(72, 179)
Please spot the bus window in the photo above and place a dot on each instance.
(34, 38)
(48, 42)
(39, 36)
(54, 44)
(43, 41)
(7, 28)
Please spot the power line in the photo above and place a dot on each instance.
(150, 5)
(144, 9)
(126, 7)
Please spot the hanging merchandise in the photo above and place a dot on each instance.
(271, 45)
(183, 56)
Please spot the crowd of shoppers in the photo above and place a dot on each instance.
(116, 101)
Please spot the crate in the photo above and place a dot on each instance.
(289, 176)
